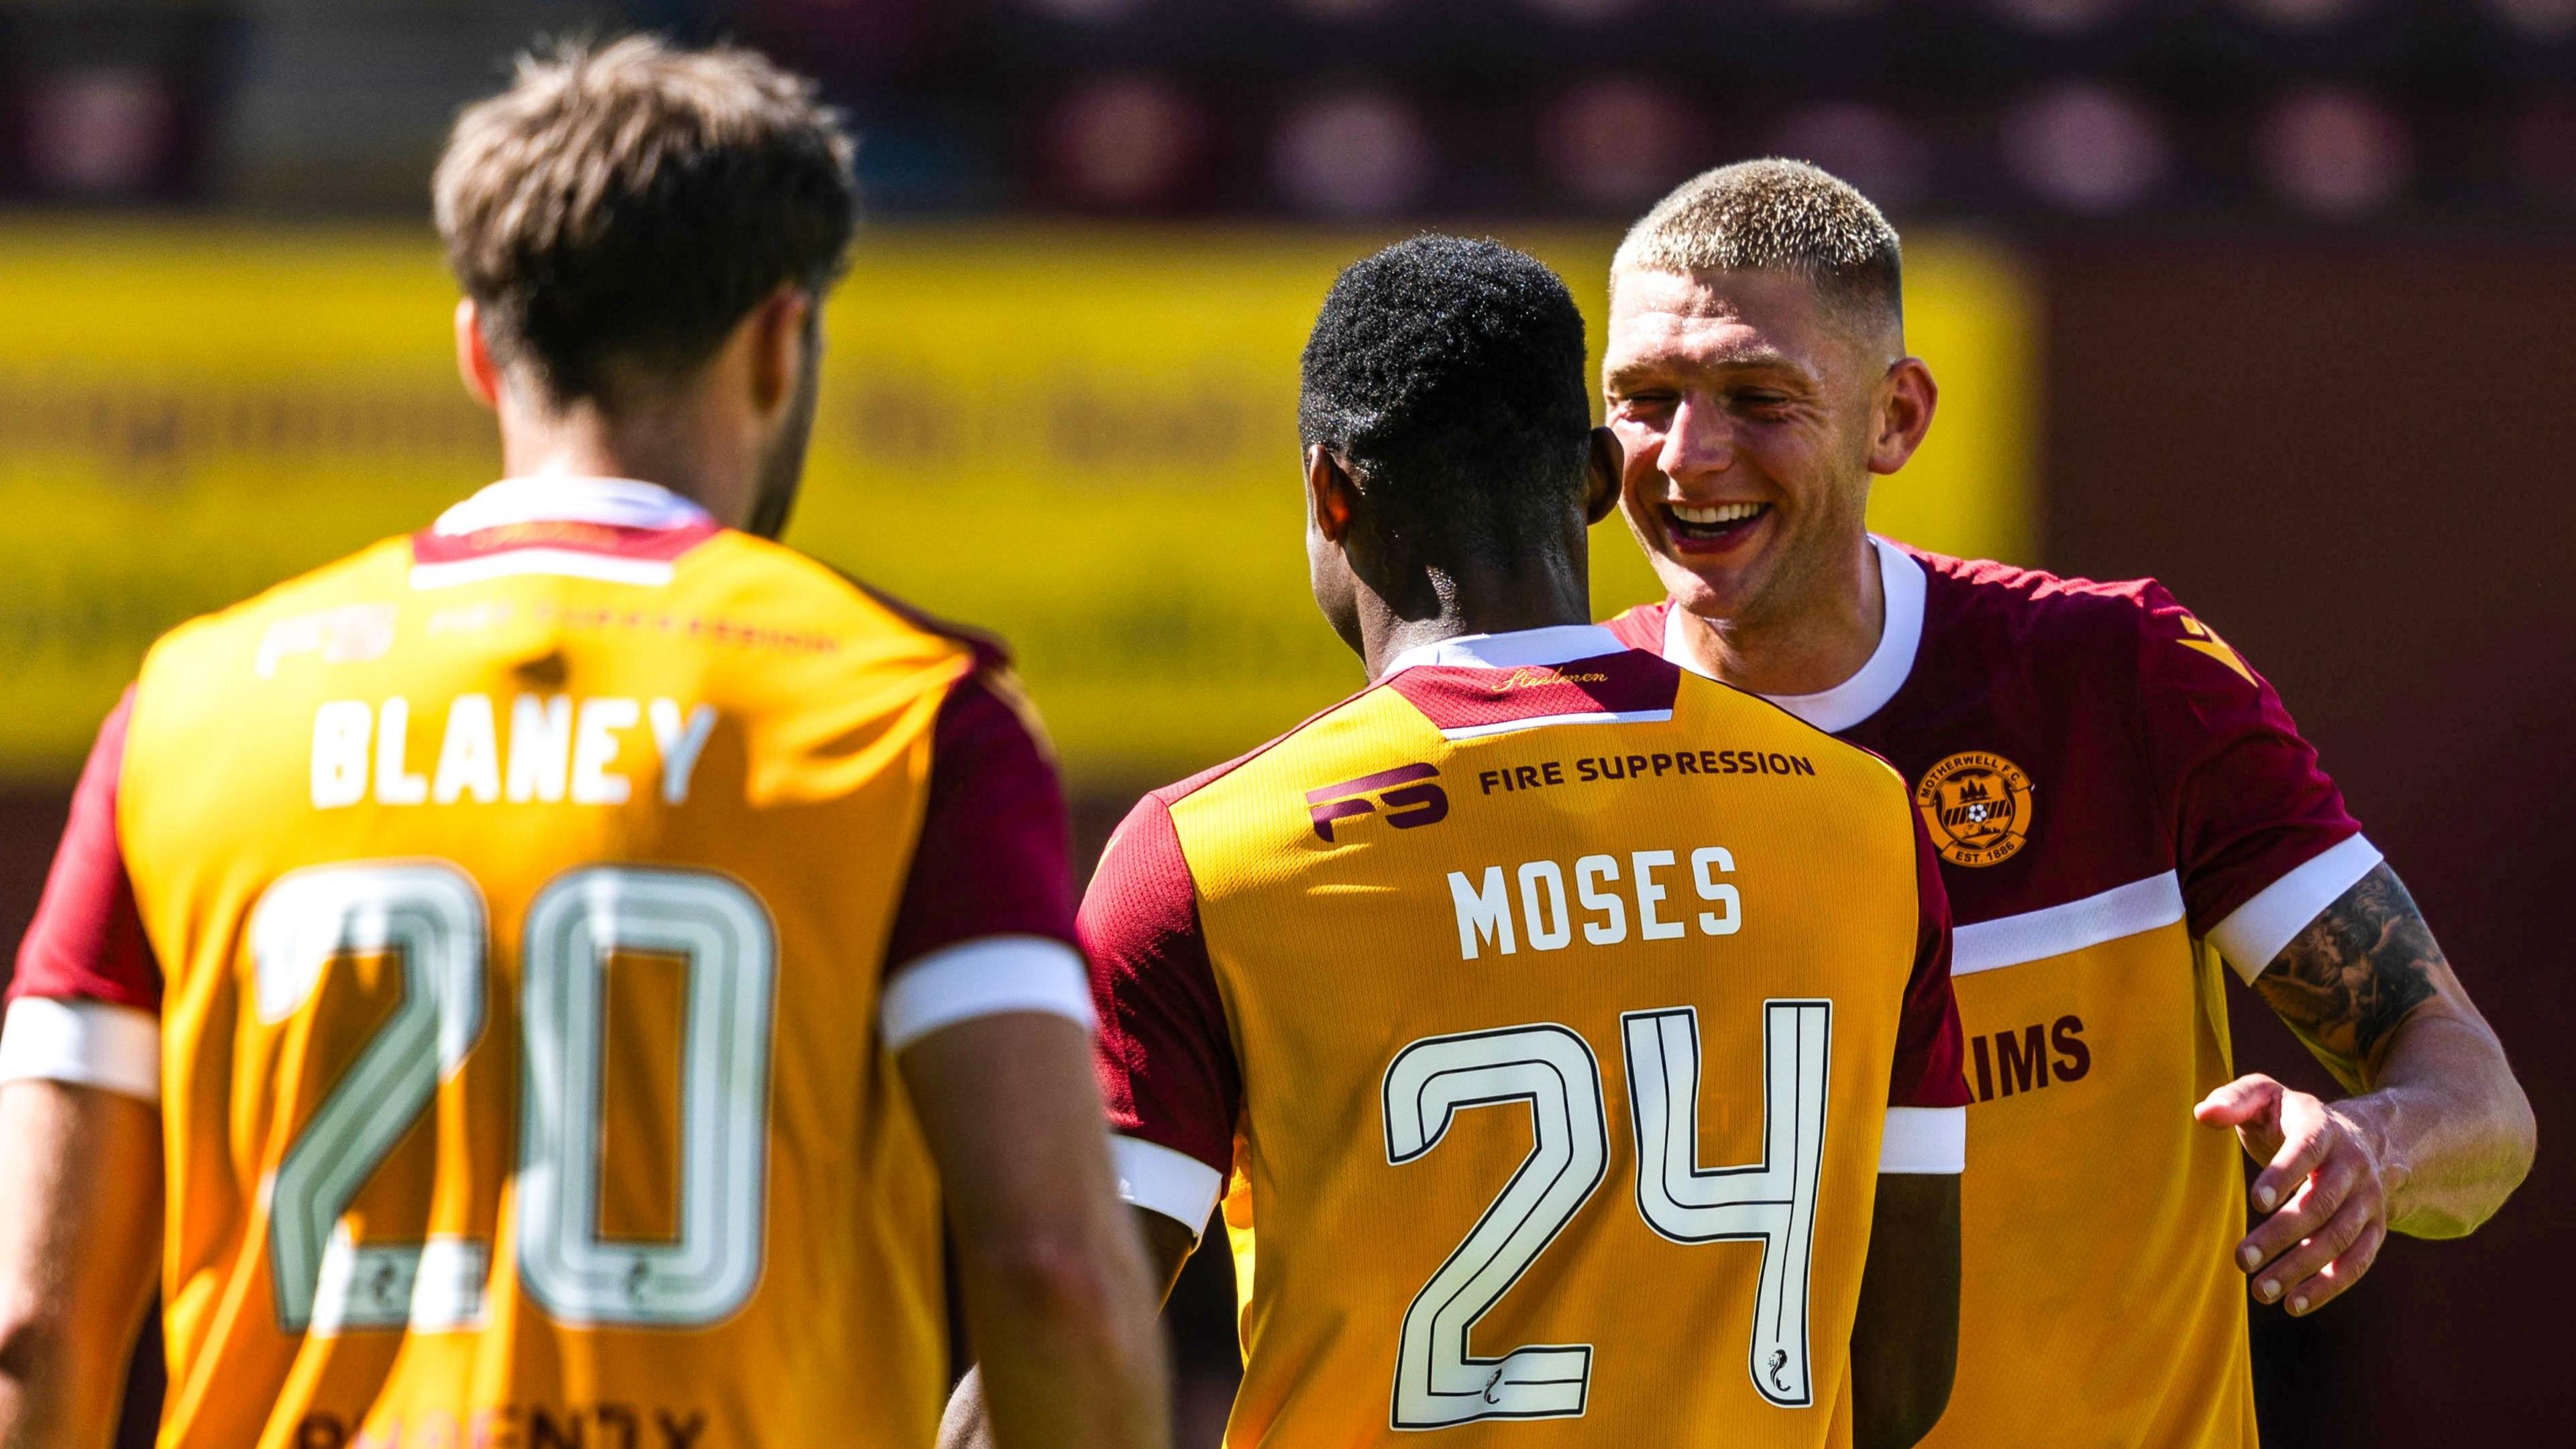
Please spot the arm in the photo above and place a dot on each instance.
(80, 1230)
(1905, 1344)
(2438, 1135)
(969, 1425)
(1057, 1302)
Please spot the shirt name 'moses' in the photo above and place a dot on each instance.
(558, 749)
(1486, 915)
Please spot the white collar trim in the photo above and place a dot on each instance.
(1868, 691)
(1519, 649)
(550, 498)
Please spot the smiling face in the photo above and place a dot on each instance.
(1751, 415)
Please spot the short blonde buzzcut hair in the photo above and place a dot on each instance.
(1775, 215)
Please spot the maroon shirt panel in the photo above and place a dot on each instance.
(995, 855)
(2141, 761)
(1929, 1069)
(2247, 800)
(1456, 697)
(1163, 1055)
(87, 939)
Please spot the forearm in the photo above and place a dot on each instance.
(78, 1227)
(2449, 1122)
(2369, 991)
(1063, 1350)
(1905, 1339)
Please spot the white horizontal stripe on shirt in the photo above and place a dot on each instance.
(989, 976)
(1517, 649)
(2142, 905)
(87, 1043)
(1156, 1178)
(1924, 1139)
(651, 573)
(566, 498)
(2255, 933)
(1507, 726)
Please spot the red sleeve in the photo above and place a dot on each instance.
(87, 939)
(2245, 798)
(994, 857)
(1929, 1041)
(1165, 1059)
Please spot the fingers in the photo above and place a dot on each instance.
(2301, 1143)
(2252, 1105)
(2318, 1269)
(2241, 1101)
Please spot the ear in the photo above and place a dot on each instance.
(474, 364)
(1332, 495)
(1602, 472)
(1907, 397)
(777, 348)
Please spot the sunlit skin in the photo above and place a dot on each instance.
(1735, 388)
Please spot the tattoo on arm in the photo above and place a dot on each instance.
(2358, 970)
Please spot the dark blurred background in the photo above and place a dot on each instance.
(2304, 275)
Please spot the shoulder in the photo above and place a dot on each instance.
(1643, 626)
(343, 609)
(1294, 747)
(2034, 607)
(790, 583)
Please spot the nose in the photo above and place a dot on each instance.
(1700, 442)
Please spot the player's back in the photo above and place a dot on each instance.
(523, 894)
(1547, 1007)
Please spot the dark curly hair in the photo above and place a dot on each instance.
(1447, 374)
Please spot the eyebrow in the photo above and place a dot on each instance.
(1745, 359)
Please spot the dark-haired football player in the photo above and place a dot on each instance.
(567, 957)
(1567, 1037)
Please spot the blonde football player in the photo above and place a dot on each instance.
(1567, 1037)
(2120, 804)
(538, 980)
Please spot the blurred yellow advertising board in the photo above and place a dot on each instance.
(1082, 439)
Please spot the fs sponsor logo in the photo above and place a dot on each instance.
(1976, 806)
(1403, 794)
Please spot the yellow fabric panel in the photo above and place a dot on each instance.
(1333, 959)
(2083, 1163)
(805, 800)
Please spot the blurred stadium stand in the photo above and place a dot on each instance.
(2302, 277)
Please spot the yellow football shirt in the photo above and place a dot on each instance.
(517, 922)
(2119, 803)
(1544, 1017)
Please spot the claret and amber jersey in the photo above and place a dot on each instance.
(1543, 1017)
(2121, 804)
(516, 923)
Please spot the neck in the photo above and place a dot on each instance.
(1819, 640)
(1489, 604)
(666, 445)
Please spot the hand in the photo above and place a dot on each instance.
(2326, 1173)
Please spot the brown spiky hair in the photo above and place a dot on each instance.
(1776, 215)
(622, 207)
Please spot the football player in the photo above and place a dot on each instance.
(1566, 1036)
(538, 980)
(2121, 805)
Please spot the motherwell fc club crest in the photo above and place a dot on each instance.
(1977, 807)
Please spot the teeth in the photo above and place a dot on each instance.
(1723, 513)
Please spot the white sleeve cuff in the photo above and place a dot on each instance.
(2256, 931)
(1924, 1139)
(988, 977)
(87, 1043)
(1175, 1184)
